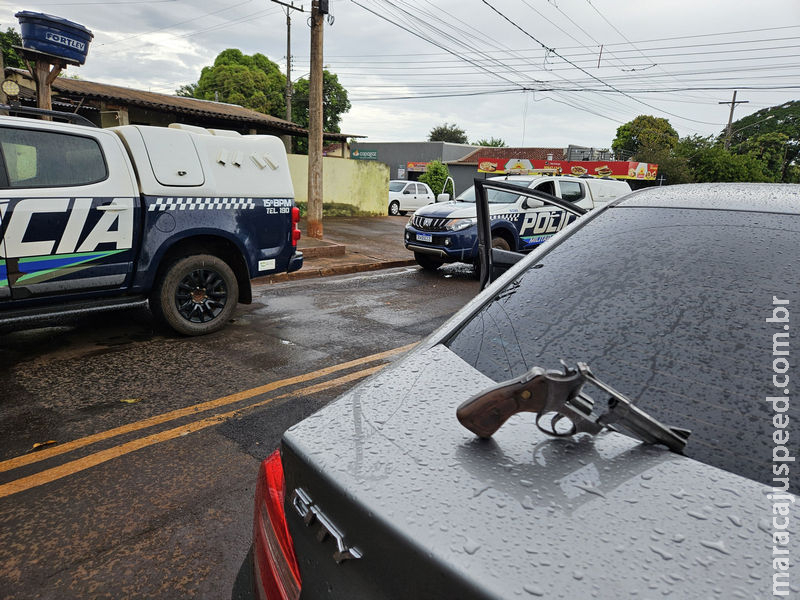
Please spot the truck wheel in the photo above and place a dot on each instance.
(497, 242)
(394, 208)
(427, 262)
(196, 294)
(500, 243)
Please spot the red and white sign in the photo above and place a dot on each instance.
(615, 168)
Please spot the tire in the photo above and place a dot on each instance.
(427, 262)
(497, 242)
(196, 294)
(394, 208)
(500, 243)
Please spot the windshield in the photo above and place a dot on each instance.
(397, 186)
(669, 307)
(494, 196)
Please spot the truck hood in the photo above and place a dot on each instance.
(457, 210)
(521, 514)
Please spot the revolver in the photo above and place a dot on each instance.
(563, 409)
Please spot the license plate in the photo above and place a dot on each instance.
(424, 237)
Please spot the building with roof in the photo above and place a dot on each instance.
(110, 105)
(409, 160)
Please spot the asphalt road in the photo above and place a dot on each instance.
(143, 485)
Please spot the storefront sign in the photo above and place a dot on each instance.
(417, 167)
(615, 168)
(359, 154)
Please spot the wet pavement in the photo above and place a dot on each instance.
(147, 488)
(351, 245)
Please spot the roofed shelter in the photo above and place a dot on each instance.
(110, 105)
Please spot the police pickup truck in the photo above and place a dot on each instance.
(446, 232)
(181, 218)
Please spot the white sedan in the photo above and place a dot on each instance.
(408, 196)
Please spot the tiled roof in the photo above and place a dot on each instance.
(178, 104)
(523, 153)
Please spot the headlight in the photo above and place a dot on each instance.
(459, 224)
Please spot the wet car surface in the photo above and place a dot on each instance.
(673, 296)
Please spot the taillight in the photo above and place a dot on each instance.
(276, 572)
(295, 228)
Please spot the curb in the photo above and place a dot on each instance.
(346, 269)
(327, 250)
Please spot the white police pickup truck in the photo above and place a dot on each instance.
(100, 219)
(447, 232)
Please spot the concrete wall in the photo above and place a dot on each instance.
(359, 183)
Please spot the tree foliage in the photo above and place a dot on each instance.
(672, 166)
(448, 133)
(334, 104)
(187, 91)
(251, 81)
(10, 57)
(435, 176)
(491, 142)
(651, 133)
(718, 164)
(754, 135)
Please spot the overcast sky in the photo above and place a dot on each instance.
(525, 71)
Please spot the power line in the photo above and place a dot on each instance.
(553, 51)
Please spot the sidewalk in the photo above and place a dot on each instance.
(350, 245)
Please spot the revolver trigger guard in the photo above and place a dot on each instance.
(551, 430)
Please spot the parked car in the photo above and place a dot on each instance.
(405, 196)
(446, 232)
(678, 298)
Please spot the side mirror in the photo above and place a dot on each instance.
(443, 198)
(532, 203)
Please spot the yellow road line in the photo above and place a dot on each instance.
(27, 459)
(92, 460)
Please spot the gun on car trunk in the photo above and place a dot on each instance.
(563, 409)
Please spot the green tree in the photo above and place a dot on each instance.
(769, 148)
(674, 167)
(783, 119)
(334, 104)
(491, 143)
(187, 91)
(645, 131)
(10, 56)
(717, 164)
(251, 81)
(448, 133)
(435, 176)
(690, 146)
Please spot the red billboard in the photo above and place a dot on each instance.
(614, 168)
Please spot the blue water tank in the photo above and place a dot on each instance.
(54, 35)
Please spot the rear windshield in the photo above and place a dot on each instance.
(669, 307)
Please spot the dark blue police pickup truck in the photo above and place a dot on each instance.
(100, 219)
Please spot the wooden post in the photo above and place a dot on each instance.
(44, 78)
(314, 216)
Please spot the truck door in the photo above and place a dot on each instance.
(68, 224)
(5, 290)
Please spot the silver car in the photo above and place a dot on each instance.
(679, 299)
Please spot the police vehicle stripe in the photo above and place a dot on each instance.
(3, 274)
(162, 204)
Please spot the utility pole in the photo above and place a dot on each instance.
(287, 139)
(319, 8)
(733, 104)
